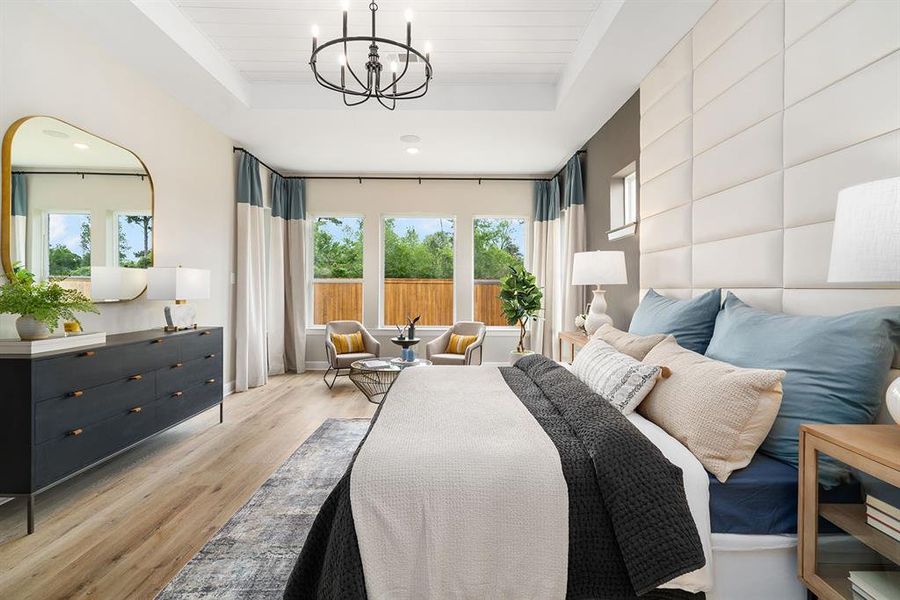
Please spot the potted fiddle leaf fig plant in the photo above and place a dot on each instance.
(520, 298)
(40, 305)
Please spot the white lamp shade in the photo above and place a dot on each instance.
(177, 283)
(117, 283)
(865, 246)
(599, 267)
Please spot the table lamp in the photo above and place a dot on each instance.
(178, 284)
(600, 267)
(865, 246)
(110, 284)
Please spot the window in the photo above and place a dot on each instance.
(337, 269)
(623, 203)
(418, 270)
(499, 244)
(135, 235)
(69, 245)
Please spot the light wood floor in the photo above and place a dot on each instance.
(124, 529)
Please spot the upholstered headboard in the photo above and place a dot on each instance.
(749, 128)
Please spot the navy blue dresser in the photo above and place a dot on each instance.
(63, 412)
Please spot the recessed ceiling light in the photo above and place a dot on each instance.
(55, 134)
(410, 139)
(412, 150)
(81, 146)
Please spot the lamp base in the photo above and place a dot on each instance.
(180, 317)
(597, 315)
(893, 400)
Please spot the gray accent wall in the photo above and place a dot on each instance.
(613, 147)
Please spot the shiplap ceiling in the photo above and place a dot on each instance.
(519, 85)
(475, 41)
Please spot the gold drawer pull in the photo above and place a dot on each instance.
(75, 394)
(210, 356)
(177, 365)
(88, 353)
(136, 409)
(210, 381)
(75, 432)
(157, 341)
(177, 394)
(206, 333)
(135, 378)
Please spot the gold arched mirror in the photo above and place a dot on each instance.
(76, 208)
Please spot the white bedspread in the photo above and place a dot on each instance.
(475, 460)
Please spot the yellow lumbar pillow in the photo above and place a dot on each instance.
(348, 343)
(459, 343)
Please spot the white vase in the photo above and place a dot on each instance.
(893, 400)
(597, 315)
(30, 329)
(515, 356)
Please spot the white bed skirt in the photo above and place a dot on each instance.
(755, 567)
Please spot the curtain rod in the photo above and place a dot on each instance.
(360, 178)
(82, 173)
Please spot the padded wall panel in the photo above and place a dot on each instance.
(720, 22)
(811, 188)
(753, 153)
(802, 16)
(854, 109)
(751, 100)
(673, 68)
(848, 41)
(837, 301)
(752, 261)
(669, 229)
(807, 252)
(672, 109)
(671, 189)
(749, 208)
(752, 45)
(670, 150)
(666, 269)
(764, 298)
(679, 293)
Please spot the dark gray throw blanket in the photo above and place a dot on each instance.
(630, 528)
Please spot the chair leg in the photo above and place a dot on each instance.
(325, 377)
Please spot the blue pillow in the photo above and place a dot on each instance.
(690, 321)
(836, 367)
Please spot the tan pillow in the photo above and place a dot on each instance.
(722, 413)
(635, 346)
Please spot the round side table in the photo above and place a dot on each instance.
(405, 343)
(375, 381)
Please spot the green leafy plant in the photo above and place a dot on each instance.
(46, 301)
(520, 298)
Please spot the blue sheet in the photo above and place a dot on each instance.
(762, 498)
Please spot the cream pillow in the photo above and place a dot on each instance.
(635, 346)
(615, 377)
(722, 413)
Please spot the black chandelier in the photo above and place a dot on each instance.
(371, 86)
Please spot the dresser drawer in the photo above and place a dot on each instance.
(60, 457)
(187, 403)
(200, 344)
(182, 376)
(82, 370)
(82, 408)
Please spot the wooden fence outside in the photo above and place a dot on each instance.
(335, 300)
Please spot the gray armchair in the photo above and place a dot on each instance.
(436, 350)
(340, 362)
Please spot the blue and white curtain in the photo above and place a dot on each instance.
(270, 326)
(18, 226)
(559, 232)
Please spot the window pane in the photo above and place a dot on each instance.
(499, 244)
(337, 269)
(418, 270)
(135, 241)
(69, 250)
(630, 198)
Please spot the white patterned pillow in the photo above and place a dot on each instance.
(617, 378)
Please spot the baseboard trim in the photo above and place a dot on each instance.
(228, 388)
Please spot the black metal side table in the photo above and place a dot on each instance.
(374, 377)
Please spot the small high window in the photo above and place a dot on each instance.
(623, 209)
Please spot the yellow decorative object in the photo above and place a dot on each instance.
(72, 327)
(348, 343)
(459, 343)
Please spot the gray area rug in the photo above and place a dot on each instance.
(253, 554)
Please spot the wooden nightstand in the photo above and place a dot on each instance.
(825, 560)
(576, 339)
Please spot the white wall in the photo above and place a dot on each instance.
(749, 128)
(375, 199)
(47, 69)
